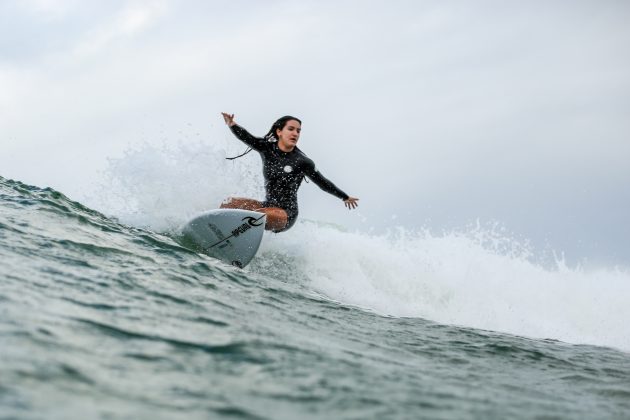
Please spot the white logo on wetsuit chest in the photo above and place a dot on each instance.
(288, 169)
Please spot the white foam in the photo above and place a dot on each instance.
(476, 279)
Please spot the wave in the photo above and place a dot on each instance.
(478, 279)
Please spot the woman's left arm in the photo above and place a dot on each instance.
(325, 184)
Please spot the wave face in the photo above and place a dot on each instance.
(480, 277)
(475, 279)
(323, 324)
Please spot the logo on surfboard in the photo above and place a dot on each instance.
(249, 223)
(252, 220)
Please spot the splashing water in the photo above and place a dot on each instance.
(160, 187)
(129, 318)
(476, 278)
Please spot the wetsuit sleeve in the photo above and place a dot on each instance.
(324, 183)
(243, 135)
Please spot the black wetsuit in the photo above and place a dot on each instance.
(284, 173)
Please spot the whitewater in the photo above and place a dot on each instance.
(105, 315)
(477, 277)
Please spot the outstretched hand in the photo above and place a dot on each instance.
(228, 118)
(351, 203)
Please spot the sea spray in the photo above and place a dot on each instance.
(160, 186)
(94, 310)
(478, 277)
(475, 279)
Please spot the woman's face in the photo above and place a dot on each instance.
(289, 135)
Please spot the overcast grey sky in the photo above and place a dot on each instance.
(434, 113)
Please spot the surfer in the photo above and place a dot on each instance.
(284, 168)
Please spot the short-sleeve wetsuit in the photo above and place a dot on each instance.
(284, 172)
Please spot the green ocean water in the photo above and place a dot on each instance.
(107, 321)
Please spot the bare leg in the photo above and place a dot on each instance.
(241, 203)
(277, 218)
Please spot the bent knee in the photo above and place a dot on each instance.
(277, 219)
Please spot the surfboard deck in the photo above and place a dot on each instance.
(230, 235)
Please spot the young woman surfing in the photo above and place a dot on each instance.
(284, 168)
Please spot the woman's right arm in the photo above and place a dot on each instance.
(243, 135)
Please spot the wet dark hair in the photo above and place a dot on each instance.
(271, 135)
(279, 125)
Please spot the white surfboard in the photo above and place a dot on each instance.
(230, 235)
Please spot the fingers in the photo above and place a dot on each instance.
(351, 203)
(228, 118)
